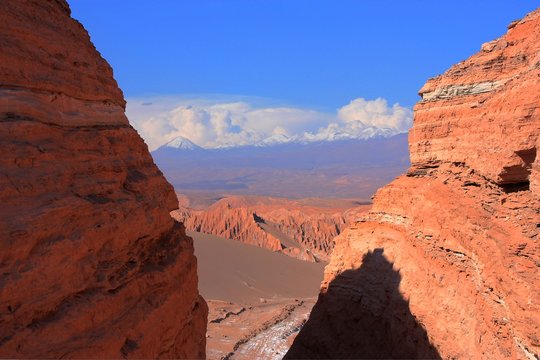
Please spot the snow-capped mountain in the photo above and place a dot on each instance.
(289, 166)
(364, 133)
(179, 146)
(182, 143)
(276, 140)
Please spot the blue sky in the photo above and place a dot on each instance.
(317, 55)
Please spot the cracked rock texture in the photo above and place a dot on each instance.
(91, 263)
(446, 263)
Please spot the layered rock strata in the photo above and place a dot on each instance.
(305, 232)
(446, 264)
(91, 263)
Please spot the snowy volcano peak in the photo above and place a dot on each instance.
(182, 143)
(276, 139)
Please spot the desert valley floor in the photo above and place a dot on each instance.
(259, 296)
(257, 299)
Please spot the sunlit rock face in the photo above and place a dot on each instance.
(91, 263)
(482, 112)
(446, 264)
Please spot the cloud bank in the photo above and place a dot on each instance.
(218, 123)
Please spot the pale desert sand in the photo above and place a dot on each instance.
(258, 299)
(232, 271)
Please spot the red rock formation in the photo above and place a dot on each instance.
(446, 264)
(303, 231)
(91, 263)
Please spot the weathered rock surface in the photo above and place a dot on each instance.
(303, 231)
(483, 111)
(91, 263)
(446, 263)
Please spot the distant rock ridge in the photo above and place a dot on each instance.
(447, 262)
(300, 231)
(339, 169)
(91, 263)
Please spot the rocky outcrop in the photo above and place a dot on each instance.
(483, 111)
(91, 263)
(446, 263)
(305, 232)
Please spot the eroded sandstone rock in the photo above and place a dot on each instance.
(446, 264)
(483, 111)
(302, 231)
(91, 263)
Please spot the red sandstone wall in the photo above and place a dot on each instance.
(91, 263)
(446, 264)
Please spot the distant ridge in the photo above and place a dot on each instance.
(183, 143)
(344, 168)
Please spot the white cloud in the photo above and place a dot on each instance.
(376, 113)
(217, 123)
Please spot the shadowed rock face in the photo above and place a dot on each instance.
(462, 227)
(91, 263)
(382, 321)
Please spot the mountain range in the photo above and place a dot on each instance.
(352, 168)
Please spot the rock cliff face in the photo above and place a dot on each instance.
(446, 264)
(305, 232)
(91, 263)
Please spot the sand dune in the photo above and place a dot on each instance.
(232, 271)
